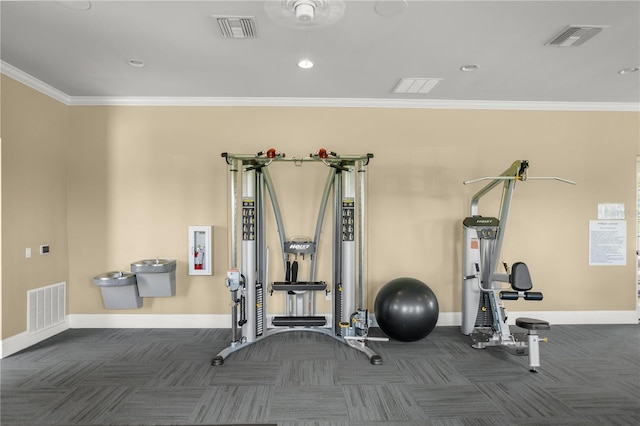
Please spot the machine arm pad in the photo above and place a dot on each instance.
(515, 295)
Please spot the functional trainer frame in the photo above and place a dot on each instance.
(248, 279)
(484, 316)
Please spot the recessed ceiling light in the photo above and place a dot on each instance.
(136, 63)
(469, 67)
(75, 5)
(305, 64)
(390, 8)
(629, 70)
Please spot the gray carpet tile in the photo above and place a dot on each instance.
(519, 401)
(453, 401)
(616, 420)
(589, 375)
(149, 351)
(325, 349)
(596, 399)
(247, 373)
(416, 371)
(85, 405)
(63, 374)
(157, 406)
(24, 406)
(308, 372)
(122, 372)
(491, 365)
(178, 374)
(386, 403)
(362, 372)
(233, 404)
(289, 403)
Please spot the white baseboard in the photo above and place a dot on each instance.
(22, 341)
(14, 344)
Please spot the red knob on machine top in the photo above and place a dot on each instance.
(271, 153)
(322, 153)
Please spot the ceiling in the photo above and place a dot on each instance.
(83, 49)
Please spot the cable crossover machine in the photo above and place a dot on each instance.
(248, 277)
(484, 317)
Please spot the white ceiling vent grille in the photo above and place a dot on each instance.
(575, 35)
(416, 85)
(237, 26)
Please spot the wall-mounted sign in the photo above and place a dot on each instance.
(607, 242)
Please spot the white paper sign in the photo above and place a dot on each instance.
(607, 242)
(611, 211)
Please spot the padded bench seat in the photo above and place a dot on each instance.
(532, 324)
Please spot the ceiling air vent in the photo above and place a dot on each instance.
(237, 26)
(575, 35)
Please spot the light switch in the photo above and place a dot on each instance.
(27, 252)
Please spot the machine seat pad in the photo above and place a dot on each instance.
(532, 324)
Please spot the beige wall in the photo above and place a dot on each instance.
(34, 197)
(139, 176)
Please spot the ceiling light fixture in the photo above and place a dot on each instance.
(469, 67)
(390, 8)
(629, 70)
(305, 14)
(305, 64)
(137, 63)
(305, 10)
(78, 5)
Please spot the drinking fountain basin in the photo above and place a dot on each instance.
(153, 265)
(119, 290)
(156, 277)
(114, 278)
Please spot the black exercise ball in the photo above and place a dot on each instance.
(406, 309)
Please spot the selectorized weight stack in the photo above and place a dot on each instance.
(248, 279)
(484, 316)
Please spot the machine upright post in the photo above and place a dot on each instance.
(360, 204)
(233, 212)
(233, 237)
(338, 286)
(348, 242)
(251, 206)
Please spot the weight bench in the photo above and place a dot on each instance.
(532, 326)
(520, 281)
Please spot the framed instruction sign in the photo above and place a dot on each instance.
(607, 242)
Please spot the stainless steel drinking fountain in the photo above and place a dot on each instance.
(156, 277)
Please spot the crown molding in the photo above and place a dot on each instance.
(355, 103)
(62, 97)
(38, 85)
